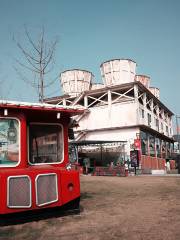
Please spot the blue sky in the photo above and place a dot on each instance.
(93, 31)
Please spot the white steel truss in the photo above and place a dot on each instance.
(97, 99)
(121, 95)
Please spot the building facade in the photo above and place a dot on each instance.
(123, 108)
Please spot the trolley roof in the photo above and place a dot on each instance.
(41, 107)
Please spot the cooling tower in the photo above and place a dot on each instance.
(118, 71)
(155, 91)
(75, 81)
(145, 80)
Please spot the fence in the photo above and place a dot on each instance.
(148, 163)
(109, 171)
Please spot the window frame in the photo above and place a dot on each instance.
(19, 138)
(28, 141)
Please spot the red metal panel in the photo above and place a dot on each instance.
(23, 143)
(66, 151)
(149, 162)
(172, 164)
(70, 186)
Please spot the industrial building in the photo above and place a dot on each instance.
(124, 110)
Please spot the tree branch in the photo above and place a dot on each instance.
(23, 65)
(30, 40)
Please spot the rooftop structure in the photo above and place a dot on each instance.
(75, 81)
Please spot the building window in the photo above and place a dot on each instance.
(171, 149)
(46, 144)
(158, 147)
(162, 127)
(163, 149)
(170, 131)
(9, 142)
(167, 130)
(149, 119)
(157, 124)
(144, 143)
(151, 145)
(168, 149)
(142, 113)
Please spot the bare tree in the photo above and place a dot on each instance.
(38, 59)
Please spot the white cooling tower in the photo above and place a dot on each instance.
(75, 81)
(118, 71)
(155, 91)
(145, 80)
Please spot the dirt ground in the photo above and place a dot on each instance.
(127, 208)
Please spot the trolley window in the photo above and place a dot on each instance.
(9, 142)
(46, 143)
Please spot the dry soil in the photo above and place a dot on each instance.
(127, 208)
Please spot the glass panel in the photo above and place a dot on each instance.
(171, 149)
(158, 147)
(46, 143)
(163, 149)
(144, 145)
(152, 145)
(73, 153)
(168, 150)
(9, 142)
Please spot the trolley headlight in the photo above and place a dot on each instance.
(70, 187)
(68, 167)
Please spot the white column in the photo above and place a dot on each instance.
(153, 123)
(136, 103)
(109, 98)
(64, 102)
(85, 101)
(109, 107)
(144, 106)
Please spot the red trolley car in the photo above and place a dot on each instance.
(34, 157)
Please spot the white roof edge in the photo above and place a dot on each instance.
(46, 105)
